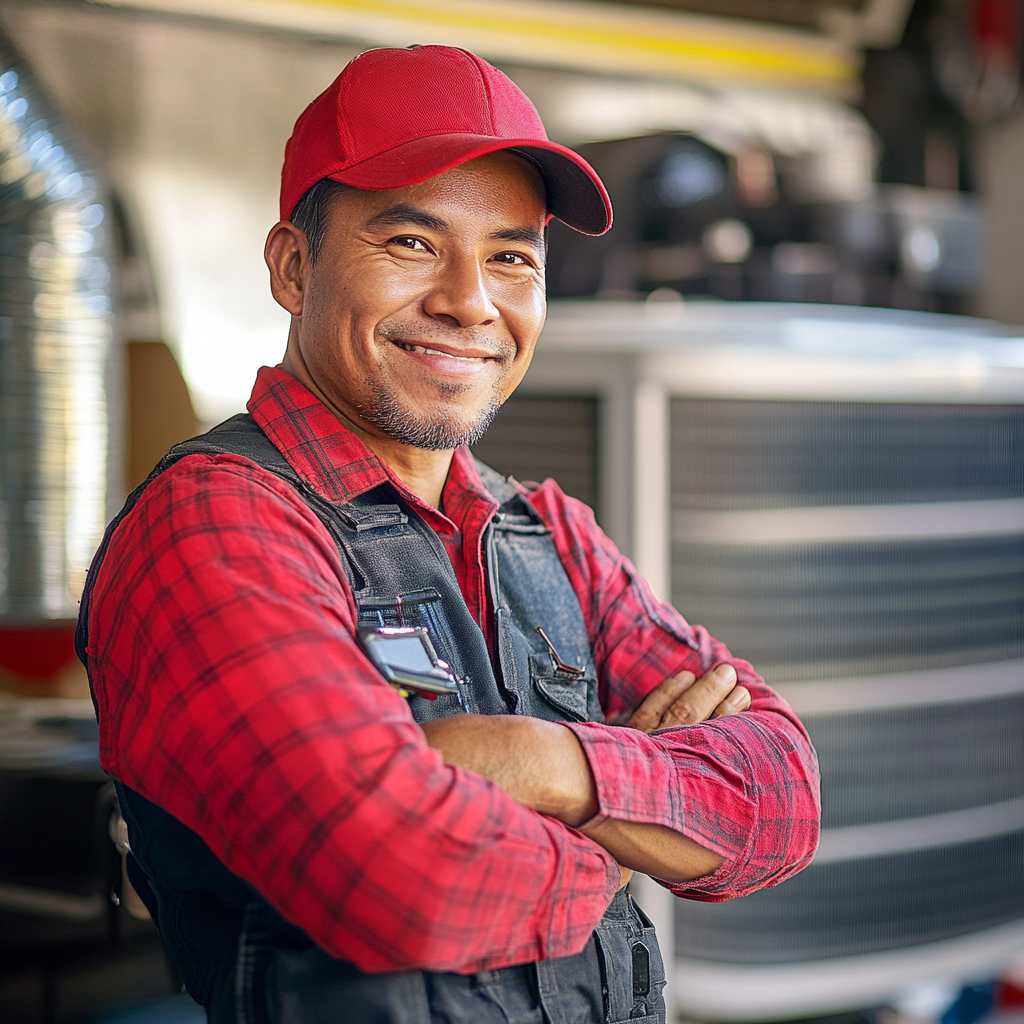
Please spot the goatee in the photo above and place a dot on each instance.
(431, 431)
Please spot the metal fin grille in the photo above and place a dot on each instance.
(947, 757)
(820, 606)
(535, 437)
(739, 455)
(850, 609)
(850, 908)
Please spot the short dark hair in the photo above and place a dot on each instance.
(310, 213)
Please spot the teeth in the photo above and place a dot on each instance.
(423, 350)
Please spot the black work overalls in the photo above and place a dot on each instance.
(236, 954)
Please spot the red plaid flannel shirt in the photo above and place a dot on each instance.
(232, 693)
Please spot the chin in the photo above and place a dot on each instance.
(444, 428)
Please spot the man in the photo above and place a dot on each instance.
(316, 844)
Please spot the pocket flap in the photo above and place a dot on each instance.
(562, 690)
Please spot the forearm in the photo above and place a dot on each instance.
(655, 850)
(540, 764)
(543, 765)
(744, 786)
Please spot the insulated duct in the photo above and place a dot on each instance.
(57, 359)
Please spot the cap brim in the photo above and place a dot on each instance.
(575, 194)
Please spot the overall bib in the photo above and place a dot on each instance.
(236, 954)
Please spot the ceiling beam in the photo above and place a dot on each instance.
(805, 14)
(587, 36)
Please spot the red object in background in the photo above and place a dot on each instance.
(1008, 996)
(37, 653)
(997, 25)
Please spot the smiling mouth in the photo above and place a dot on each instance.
(424, 350)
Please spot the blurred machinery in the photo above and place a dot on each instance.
(838, 494)
(736, 221)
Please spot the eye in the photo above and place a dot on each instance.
(410, 242)
(510, 259)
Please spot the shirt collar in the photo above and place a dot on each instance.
(331, 458)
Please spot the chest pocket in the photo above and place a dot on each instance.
(402, 576)
(545, 654)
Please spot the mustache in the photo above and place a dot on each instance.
(422, 332)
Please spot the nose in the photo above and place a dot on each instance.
(459, 295)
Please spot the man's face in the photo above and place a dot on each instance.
(421, 313)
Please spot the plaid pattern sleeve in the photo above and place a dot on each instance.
(745, 786)
(231, 692)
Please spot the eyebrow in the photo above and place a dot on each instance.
(529, 235)
(405, 213)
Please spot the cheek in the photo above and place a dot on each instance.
(532, 305)
(360, 300)
(340, 326)
(525, 318)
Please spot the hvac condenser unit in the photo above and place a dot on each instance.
(837, 494)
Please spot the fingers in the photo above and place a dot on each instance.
(682, 700)
(737, 701)
(700, 701)
(648, 716)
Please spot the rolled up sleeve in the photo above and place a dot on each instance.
(745, 786)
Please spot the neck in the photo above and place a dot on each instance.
(422, 472)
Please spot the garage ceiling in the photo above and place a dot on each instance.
(763, 43)
(798, 13)
(861, 22)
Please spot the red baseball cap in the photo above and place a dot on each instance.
(397, 117)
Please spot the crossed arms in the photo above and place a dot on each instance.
(232, 694)
(545, 767)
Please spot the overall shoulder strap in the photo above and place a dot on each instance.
(499, 486)
(543, 645)
(514, 509)
(237, 436)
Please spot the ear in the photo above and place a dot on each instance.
(286, 253)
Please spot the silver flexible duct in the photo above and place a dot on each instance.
(57, 358)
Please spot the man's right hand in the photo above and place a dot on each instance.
(684, 699)
(543, 765)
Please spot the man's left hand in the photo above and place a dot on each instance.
(683, 699)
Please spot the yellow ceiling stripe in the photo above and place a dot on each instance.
(770, 56)
(581, 35)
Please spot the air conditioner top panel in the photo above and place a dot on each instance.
(792, 351)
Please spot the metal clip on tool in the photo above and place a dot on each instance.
(407, 660)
